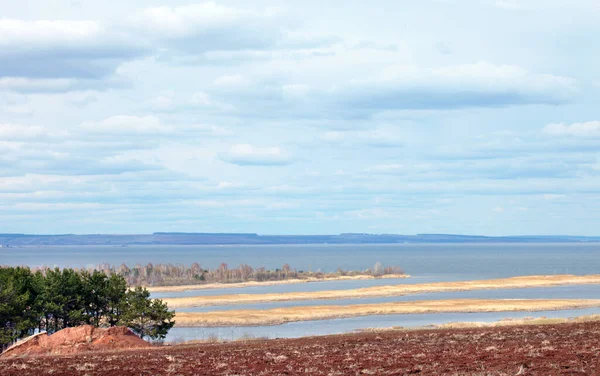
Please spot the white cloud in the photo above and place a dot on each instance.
(202, 89)
(210, 33)
(201, 99)
(587, 129)
(460, 86)
(249, 155)
(163, 102)
(59, 49)
(211, 26)
(22, 34)
(195, 18)
(229, 81)
(30, 85)
(553, 196)
(209, 130)
(17, 132)
(378, 137)
(295, 91)
(395, 89)
(127, 125)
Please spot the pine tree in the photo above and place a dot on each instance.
(147, 317)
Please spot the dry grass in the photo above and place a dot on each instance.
(523, 321)
(291, 314)
(383, 291)
(268, 283)
(495, 324)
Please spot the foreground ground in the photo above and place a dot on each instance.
(564, 349)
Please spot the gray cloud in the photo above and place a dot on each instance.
(63, 49)
(463, 86)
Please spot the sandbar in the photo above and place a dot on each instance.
(384, 291)
(269, 283)
(276, 316)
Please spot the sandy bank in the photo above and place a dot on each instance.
(495, 324)
(278, 316)
(383, 291)
(268, 283)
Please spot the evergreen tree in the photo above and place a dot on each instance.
(54, 299)
(17, 314)
(145, 316)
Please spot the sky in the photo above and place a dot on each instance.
(300, 117)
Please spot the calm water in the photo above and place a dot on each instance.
(557, 292)
(303, 287)
(463, 261)
(337, 326)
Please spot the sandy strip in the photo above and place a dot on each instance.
(278, 316)
(494, 324)
(383, 291)
(269, 283)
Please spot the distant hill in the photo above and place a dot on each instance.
(174, 238)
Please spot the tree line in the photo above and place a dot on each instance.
(54, 299)
(172, 275)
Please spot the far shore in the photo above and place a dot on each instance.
(384, 291)
(269, 283)
(277, 316)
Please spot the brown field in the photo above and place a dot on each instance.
(383, 291)
(563, 349)
(268, 283)
(275, 316)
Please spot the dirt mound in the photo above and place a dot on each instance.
(77, 339)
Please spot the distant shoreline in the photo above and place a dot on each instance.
(269, 283)
(278, 316)
(218, 239)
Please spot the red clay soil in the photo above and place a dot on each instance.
(75, 340)
(564, 349)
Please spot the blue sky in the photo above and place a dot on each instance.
(439, 116)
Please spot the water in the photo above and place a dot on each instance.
(557, 292)
(338, 326)
(464, 261)
(302, 287)
(424, 262)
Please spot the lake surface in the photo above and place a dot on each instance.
(424, 262)
(302, 287)
(462, 261)
(339, 326)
